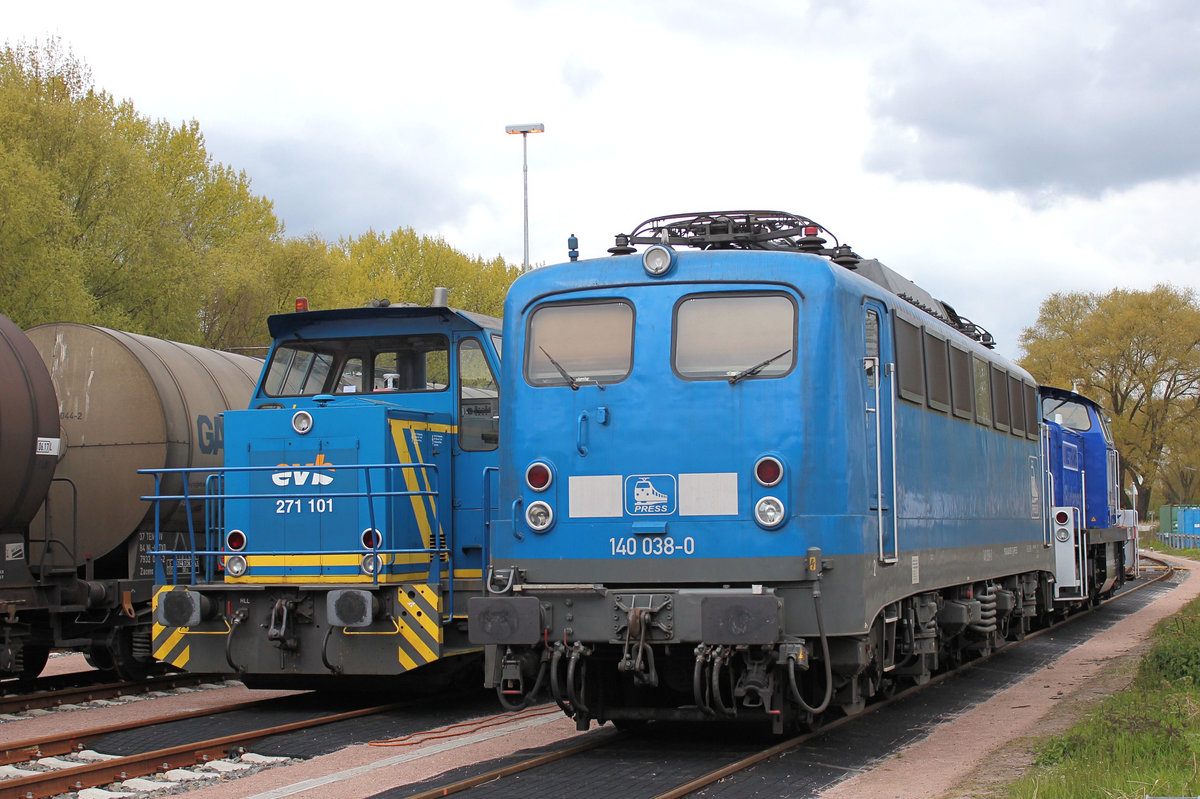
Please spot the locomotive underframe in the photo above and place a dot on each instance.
(275, 635)
(639, 653)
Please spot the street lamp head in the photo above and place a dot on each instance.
(536, 127)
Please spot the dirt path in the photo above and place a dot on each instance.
(1001, 733)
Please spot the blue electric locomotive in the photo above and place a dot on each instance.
(345, 529)
(748, 473)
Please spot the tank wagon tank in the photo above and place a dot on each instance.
(29, 448)
(121, 401)
(348, 518)
(749, 474)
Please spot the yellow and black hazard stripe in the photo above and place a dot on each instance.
(171, 644)
(418, 625)
(409, 451)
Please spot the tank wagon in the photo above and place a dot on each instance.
(347, 523)
(77, 572)
(748, 473)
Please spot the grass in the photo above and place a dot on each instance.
(1142, 741)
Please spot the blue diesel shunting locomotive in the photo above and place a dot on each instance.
(747, 472)
(1095, 540)
(345, 529)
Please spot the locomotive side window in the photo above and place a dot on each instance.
(960, 381)
(937, 372)
(871, 334)
(572, 343)
(478, 399)
(722, 336)
(983, 392)
(1017, 404)
(1000, 407)
(1031, 412)
(910, 363)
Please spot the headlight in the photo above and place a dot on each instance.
(235, 565)
(302, 422)
(371, 564)
(769, 512)
(539, 516)
(658, 259)
(1062, 534)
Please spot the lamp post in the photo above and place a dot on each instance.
(525, 130)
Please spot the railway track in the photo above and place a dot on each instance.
(89, 775)
(47, 697)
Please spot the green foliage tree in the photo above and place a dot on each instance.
(110, 218)
(1137, 353)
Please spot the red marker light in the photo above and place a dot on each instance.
(1061, 517)
(538, 476)
(301, 304)
(768, 471)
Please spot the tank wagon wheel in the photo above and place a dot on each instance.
(116, 654)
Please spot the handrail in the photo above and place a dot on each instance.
(216, 495)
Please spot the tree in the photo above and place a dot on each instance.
(1137, 353)
(110, 218)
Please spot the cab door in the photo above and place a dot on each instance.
(878, 375)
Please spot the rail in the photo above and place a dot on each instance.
(204, 555)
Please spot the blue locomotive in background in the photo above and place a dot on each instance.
(346, 527)
(748, 473)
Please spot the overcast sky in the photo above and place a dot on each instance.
(993, 152)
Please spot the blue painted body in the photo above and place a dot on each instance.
(958, 484)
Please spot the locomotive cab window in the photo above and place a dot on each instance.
(1073, 415)
(478, 400)
(358, 365)
(734, 336)
(573, 344)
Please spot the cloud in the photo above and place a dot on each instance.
(1078, 104)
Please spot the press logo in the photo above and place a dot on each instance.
(293, 476)
(650, 494)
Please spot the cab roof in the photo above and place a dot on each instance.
(287, 324)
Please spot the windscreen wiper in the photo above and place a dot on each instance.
(572, 382)
(758, 367)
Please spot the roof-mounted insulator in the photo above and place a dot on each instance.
(844, 256)
(622, 247)
(811, 241)
(572, 247)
